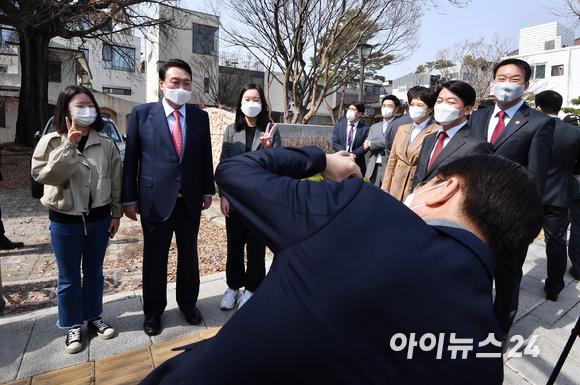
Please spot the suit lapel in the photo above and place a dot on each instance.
(158, 121)
(190, 117)
(416, 145)
(483, 122)
(454, 144)
(257, 142)
(519, 120)
(428, 144)
(358, 134)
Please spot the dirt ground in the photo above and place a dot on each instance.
(123, 271)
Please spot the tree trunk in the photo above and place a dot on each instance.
(33, 99)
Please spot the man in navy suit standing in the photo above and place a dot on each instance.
(351, 134)
(455, 100)
(168, 180)
(524, 135)
(559, 191)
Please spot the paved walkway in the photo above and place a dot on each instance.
(31, 344)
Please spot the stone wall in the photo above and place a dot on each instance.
(218, 121)
(293, 134)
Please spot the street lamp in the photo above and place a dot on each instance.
(364, 51)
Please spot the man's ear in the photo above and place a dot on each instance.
(442, 194)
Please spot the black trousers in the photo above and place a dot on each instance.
(574, 243)
(508, 276)
(238, 237)
(555, 231)
(156, 242)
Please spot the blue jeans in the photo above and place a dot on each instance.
(79, 300)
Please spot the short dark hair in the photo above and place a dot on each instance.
(549, 101)
(393, 98)
(485, 104)
(263, 116)
(463, 90)
(424, 94)
(174, 63)
(500, 199)
(360, 107)
(61, 109)
(518, 63)
(410, 92)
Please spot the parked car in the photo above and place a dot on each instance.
(110, 129)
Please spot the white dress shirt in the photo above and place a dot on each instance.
(509, 114)
(417, 129)
(171, 119)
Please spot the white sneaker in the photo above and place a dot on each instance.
(74, 340)
(229, 299)
(244, 298)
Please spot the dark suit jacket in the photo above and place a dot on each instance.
(329, 308)
(392, 132)
(152, 169)
(464, 142)
(527, 139)
(565, 155)
(339, 139)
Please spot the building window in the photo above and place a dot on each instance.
(403, 88)
(8, 36)
(377, 90)
(205, 40)
(368, 89)
(558, 70)
(2, 115)
(116, 91)
(206, 85)
(160, 64)
(538, 71)
(3, 69)
(54, 71)
(118, 58)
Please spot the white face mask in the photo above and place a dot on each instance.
(387, 112)
(445, 114)
(350, 115)
(409, 200)
(416, 113)
(508, 92)
(251, 109)
(177, 96)
(84, 117)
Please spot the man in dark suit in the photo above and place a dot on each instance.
(5, 243)
(349, 135)
(559, 191)
(574, 242)
(524, 135)
(455, 100)
(375, 142)
(168, 179)
(330, 313)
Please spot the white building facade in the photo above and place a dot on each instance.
(555, 60)
(194, 39)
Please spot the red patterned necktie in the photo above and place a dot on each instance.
(440, 142)
(499, 128)
(176, 134)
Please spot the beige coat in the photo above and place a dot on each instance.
(70, 177)
(402, 162)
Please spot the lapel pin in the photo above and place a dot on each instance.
(517, 122)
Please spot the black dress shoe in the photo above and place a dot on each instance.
(7, 244)
(152, 326)
(573, 273)
(550, 296)
(192, 316)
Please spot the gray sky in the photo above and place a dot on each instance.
(452, 24)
